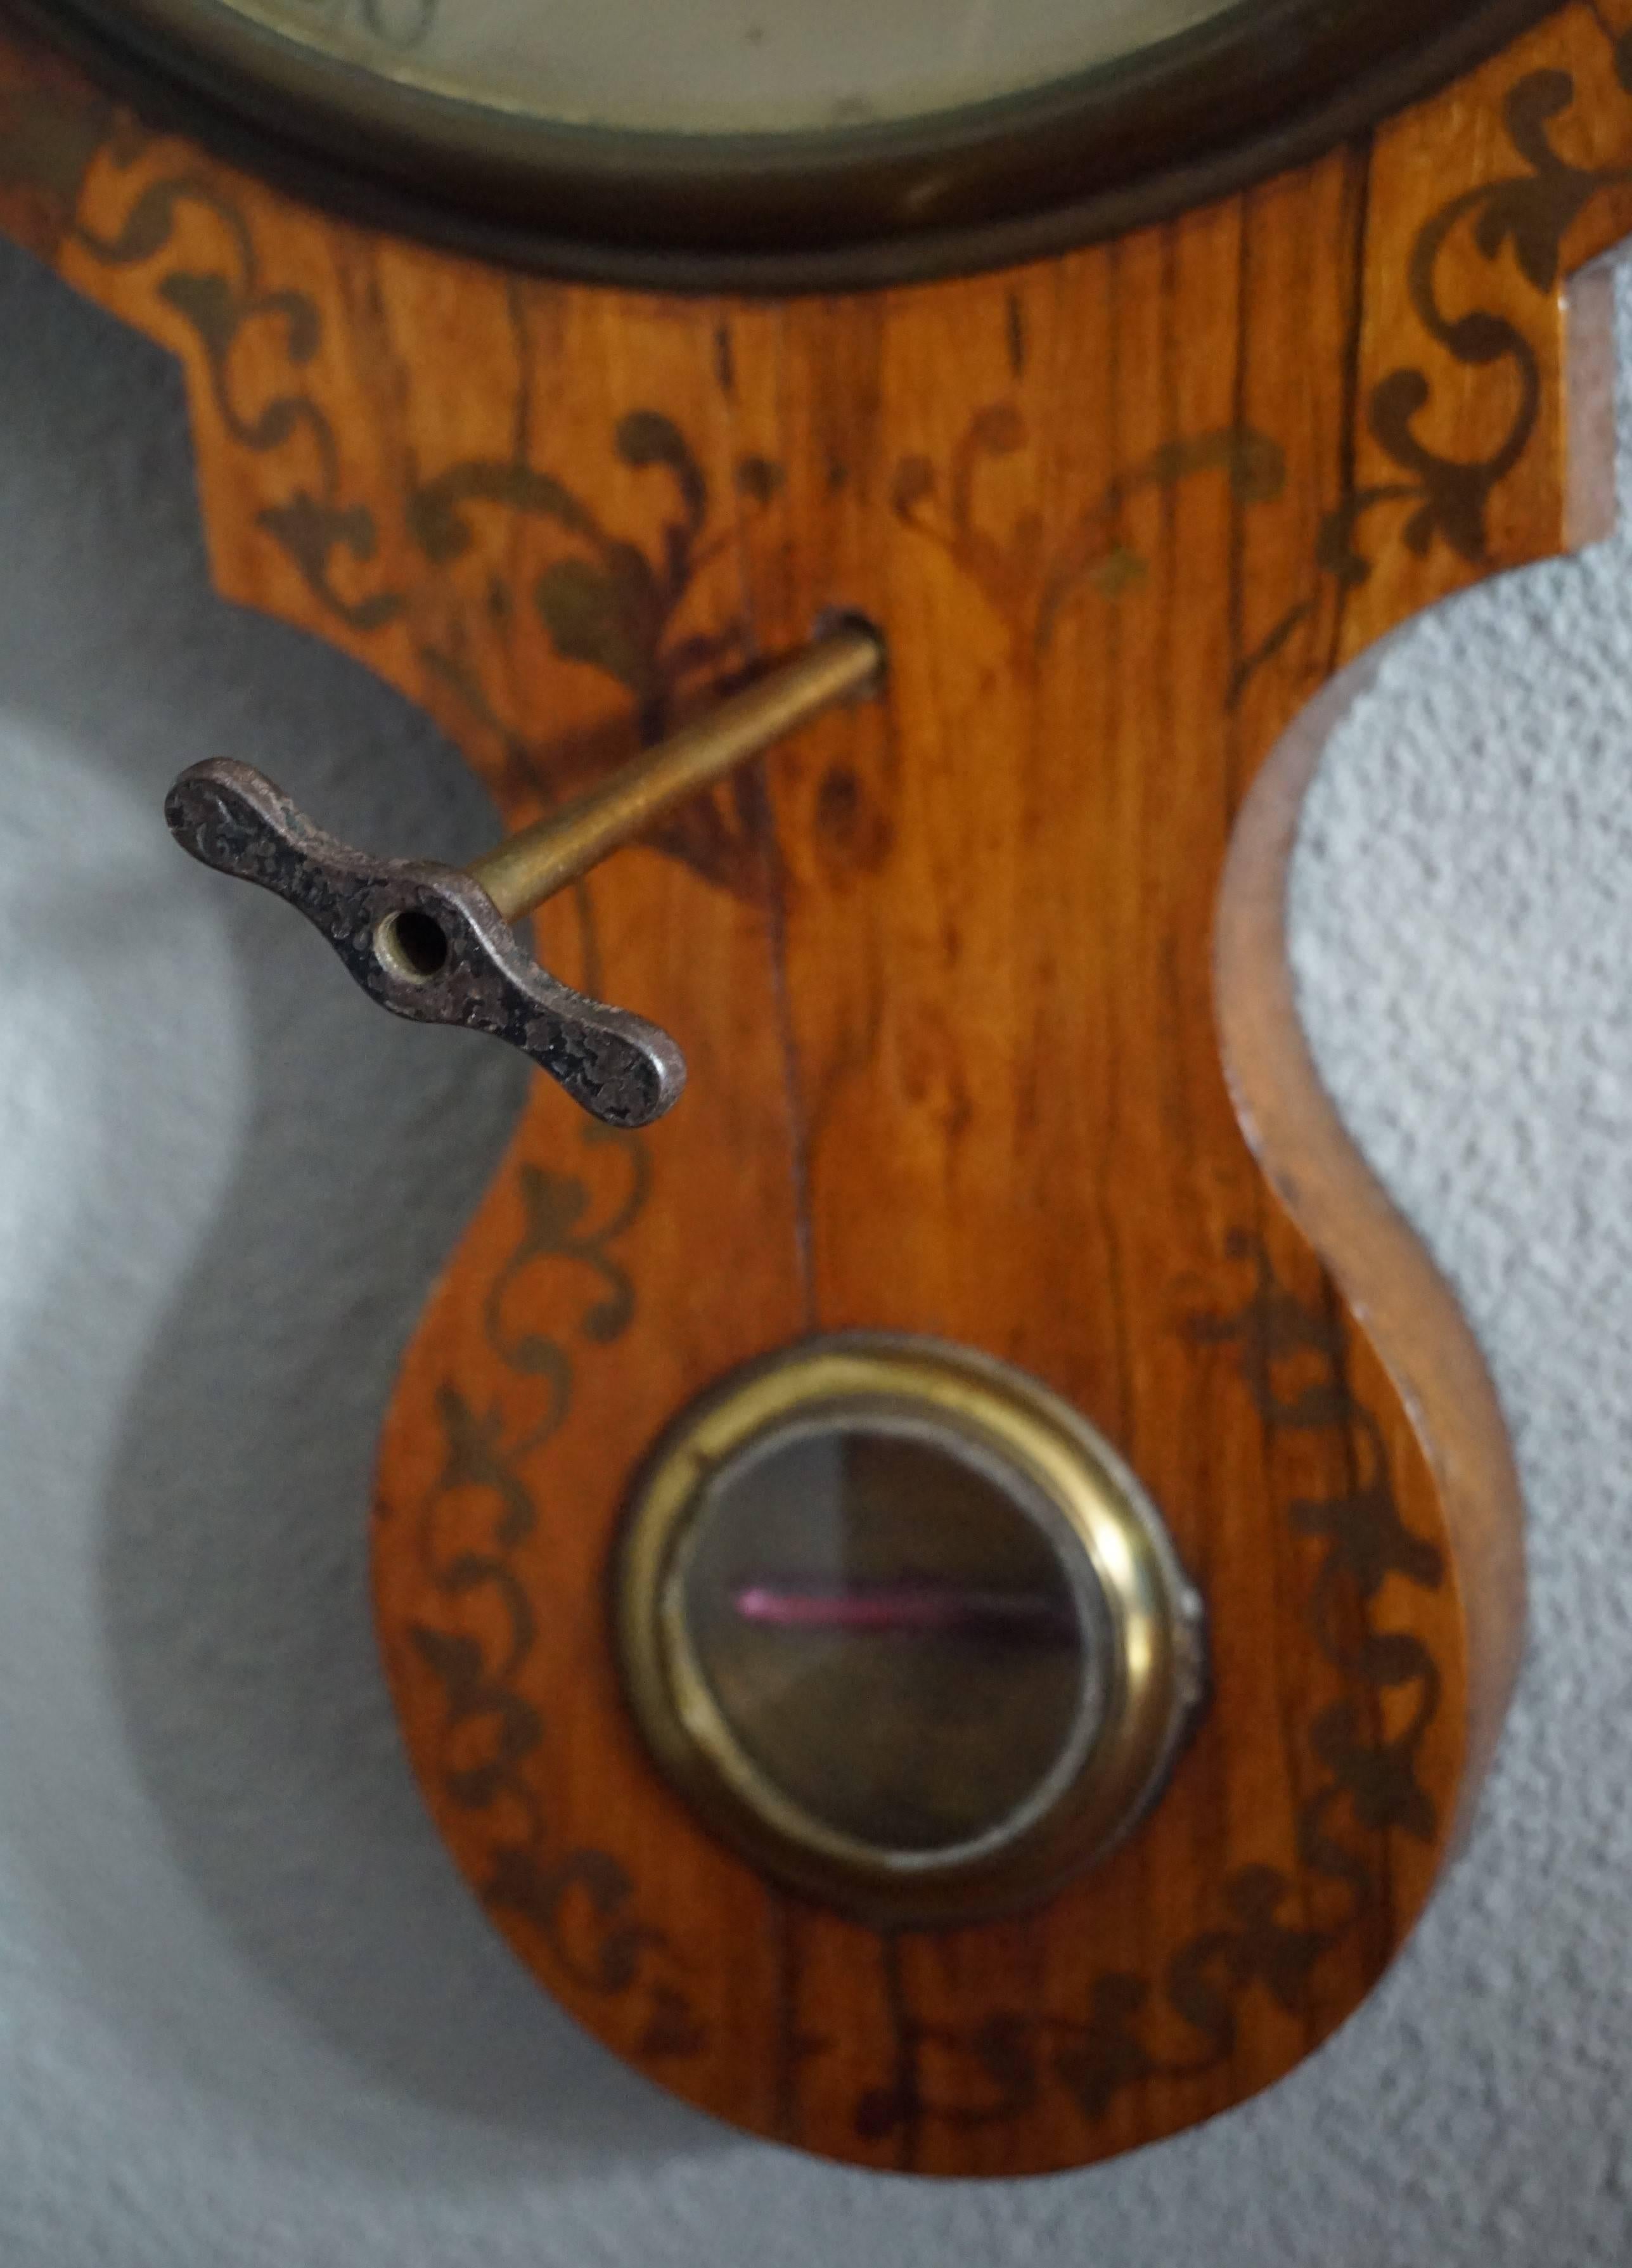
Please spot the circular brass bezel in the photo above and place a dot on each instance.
(1151, 1625)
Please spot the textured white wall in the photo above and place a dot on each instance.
(247, 2017)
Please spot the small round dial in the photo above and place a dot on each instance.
(899, 1634)
(902, 1628)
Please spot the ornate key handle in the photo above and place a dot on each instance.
(435, 944)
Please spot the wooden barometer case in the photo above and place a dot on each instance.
(951, 1593)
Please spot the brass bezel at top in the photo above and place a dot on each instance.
(1193, 117)
(1144, 1708)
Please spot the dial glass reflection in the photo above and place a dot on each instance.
(729, 66)
(898, 1634)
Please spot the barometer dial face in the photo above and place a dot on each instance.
(776, 143)
(724, 66)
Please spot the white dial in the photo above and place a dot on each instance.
(729, 66)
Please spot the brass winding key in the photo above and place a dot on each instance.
(437, 943)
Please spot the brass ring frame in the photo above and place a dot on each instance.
(1201, 114)
(1134, 1718)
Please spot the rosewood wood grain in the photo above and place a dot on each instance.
(944, 972)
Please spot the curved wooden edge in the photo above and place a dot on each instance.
(1591, 508)
(1375, 1254)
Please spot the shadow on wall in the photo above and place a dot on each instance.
(243, 1182)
